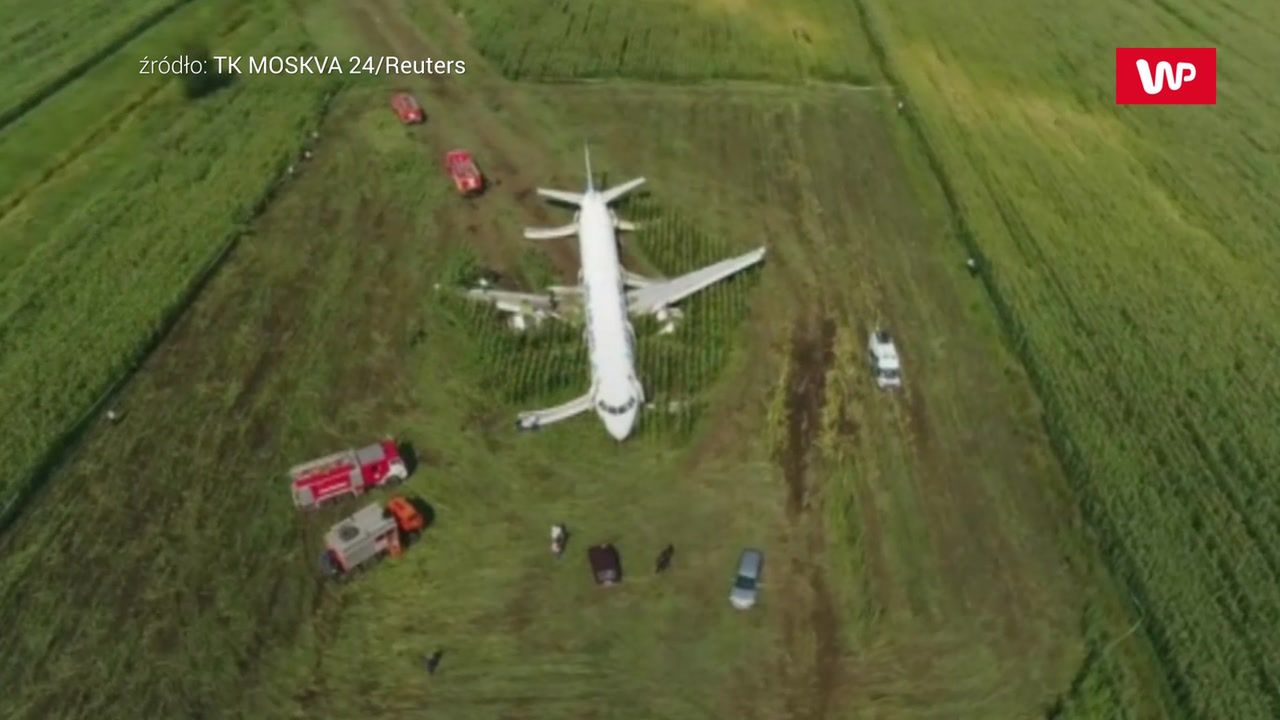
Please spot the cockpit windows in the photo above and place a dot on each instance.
(617, 409)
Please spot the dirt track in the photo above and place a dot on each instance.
(811, 358)
(513, 163)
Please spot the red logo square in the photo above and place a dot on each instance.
(1166, 76)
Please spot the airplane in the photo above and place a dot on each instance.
(607, 294)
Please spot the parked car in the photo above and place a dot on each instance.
(746, 586)
(407, 108)
(466, 176)
(606, 564)
(883, 354)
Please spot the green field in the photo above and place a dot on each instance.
(1132, 255)
(47, 46)
(671, 39)
(1066, 514)
(109, 222)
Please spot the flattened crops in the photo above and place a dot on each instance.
(549, 363)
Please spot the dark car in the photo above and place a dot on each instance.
(606, 565)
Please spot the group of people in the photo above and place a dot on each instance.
(560, 539)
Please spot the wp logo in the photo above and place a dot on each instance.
(1166, 76)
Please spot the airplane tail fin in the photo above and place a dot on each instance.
(608, 196)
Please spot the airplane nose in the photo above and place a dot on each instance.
(619, 426)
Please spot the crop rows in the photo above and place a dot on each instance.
(1131, 256)
(102, 261)
(669, 39)
(44, 45)
(549, 364)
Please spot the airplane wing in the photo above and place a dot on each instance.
(534, 419)
(515, 302)
(654, 297)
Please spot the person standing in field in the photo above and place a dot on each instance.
(664, 559)
(559, 538)
(433, 662)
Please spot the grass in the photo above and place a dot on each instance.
(100, 254)
(922, 557)
(671, 39)
(286, 356)
(1130, 252)
(46, 47)
(217, 597)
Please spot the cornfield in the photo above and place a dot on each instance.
(669, 39)
(99, 263)
(48, 46)
(1131, 255)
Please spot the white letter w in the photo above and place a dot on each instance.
(1164, 75)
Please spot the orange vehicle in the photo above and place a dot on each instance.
(466, 176)
(407, 108)
(409, 519)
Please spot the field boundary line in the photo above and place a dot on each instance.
(62, 448)
(113, 123)
(1121, 565)
(707, 83)
(80, 69)
(77, 151)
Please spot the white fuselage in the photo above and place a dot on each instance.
(615, 392)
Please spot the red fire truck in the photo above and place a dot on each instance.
(350, 472)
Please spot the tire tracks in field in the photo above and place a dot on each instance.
(812, 353)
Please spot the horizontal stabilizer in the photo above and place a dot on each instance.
(625, 225)
(618, 191)
(561, 196)
(550, 233)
